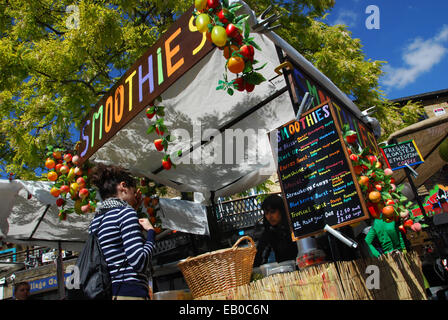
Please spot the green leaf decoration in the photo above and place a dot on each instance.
(151, 129)
(246, 29)
(230, 91)
(255, 78)
(170, 138)
(248, 67)
(160, 112)
(225, 3)
(259, 68)
(235, 7)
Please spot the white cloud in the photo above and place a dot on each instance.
(419, 57)
(347, 17)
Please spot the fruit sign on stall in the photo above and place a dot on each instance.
(177, 50)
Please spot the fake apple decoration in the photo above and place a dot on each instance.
(83, 193)
(202, 22)
(67, 157)
(219, 36)
(55, 192)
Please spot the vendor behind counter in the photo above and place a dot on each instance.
(275, 244)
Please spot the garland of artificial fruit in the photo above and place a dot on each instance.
(224, 28)
(71, 179)
(161, 144)
(150, 203)
(384, 199)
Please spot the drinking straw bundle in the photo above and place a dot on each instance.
(394, 277)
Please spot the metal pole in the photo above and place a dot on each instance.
(60, 273)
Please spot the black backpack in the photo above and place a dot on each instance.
(94, 278)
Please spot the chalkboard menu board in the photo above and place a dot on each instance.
(398, 155)
(317, 181)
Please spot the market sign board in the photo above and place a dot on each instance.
(399, 155)
(303, 83)
(177, 50)
(317, 179)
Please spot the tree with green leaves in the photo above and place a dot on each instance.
(57, 58)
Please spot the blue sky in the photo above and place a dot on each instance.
(412, 37)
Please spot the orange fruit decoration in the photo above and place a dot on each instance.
(227, 52)
(146, 201)
(49, 164)
(388, 212)
(150, 211)
(235, 64)
(375, 196)
(55, 192)
(363, 180)
(52, 176)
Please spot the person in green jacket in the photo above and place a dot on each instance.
(388, 235)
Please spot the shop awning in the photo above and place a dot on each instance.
(195, 108)
(428, 135)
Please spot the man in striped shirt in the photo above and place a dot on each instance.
(125, 250)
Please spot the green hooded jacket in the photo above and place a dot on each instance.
(388, 235)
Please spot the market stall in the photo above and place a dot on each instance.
(171, 92)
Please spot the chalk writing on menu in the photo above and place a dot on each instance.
(315, 177)
(398, 155)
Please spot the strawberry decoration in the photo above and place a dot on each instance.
(158, 126)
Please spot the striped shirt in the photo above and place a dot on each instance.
(121, 239)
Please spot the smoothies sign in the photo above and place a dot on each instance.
(177, 50)
(317, 180)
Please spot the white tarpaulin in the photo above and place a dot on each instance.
(184, 216)
(35, 221)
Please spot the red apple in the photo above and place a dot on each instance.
(67, 157)
(64, 169)
(83, 193)
(81, 182)
(64, 189)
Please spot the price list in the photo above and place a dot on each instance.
(317, 184)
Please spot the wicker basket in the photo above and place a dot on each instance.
(219, 270)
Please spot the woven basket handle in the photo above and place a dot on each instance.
(249, 239)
